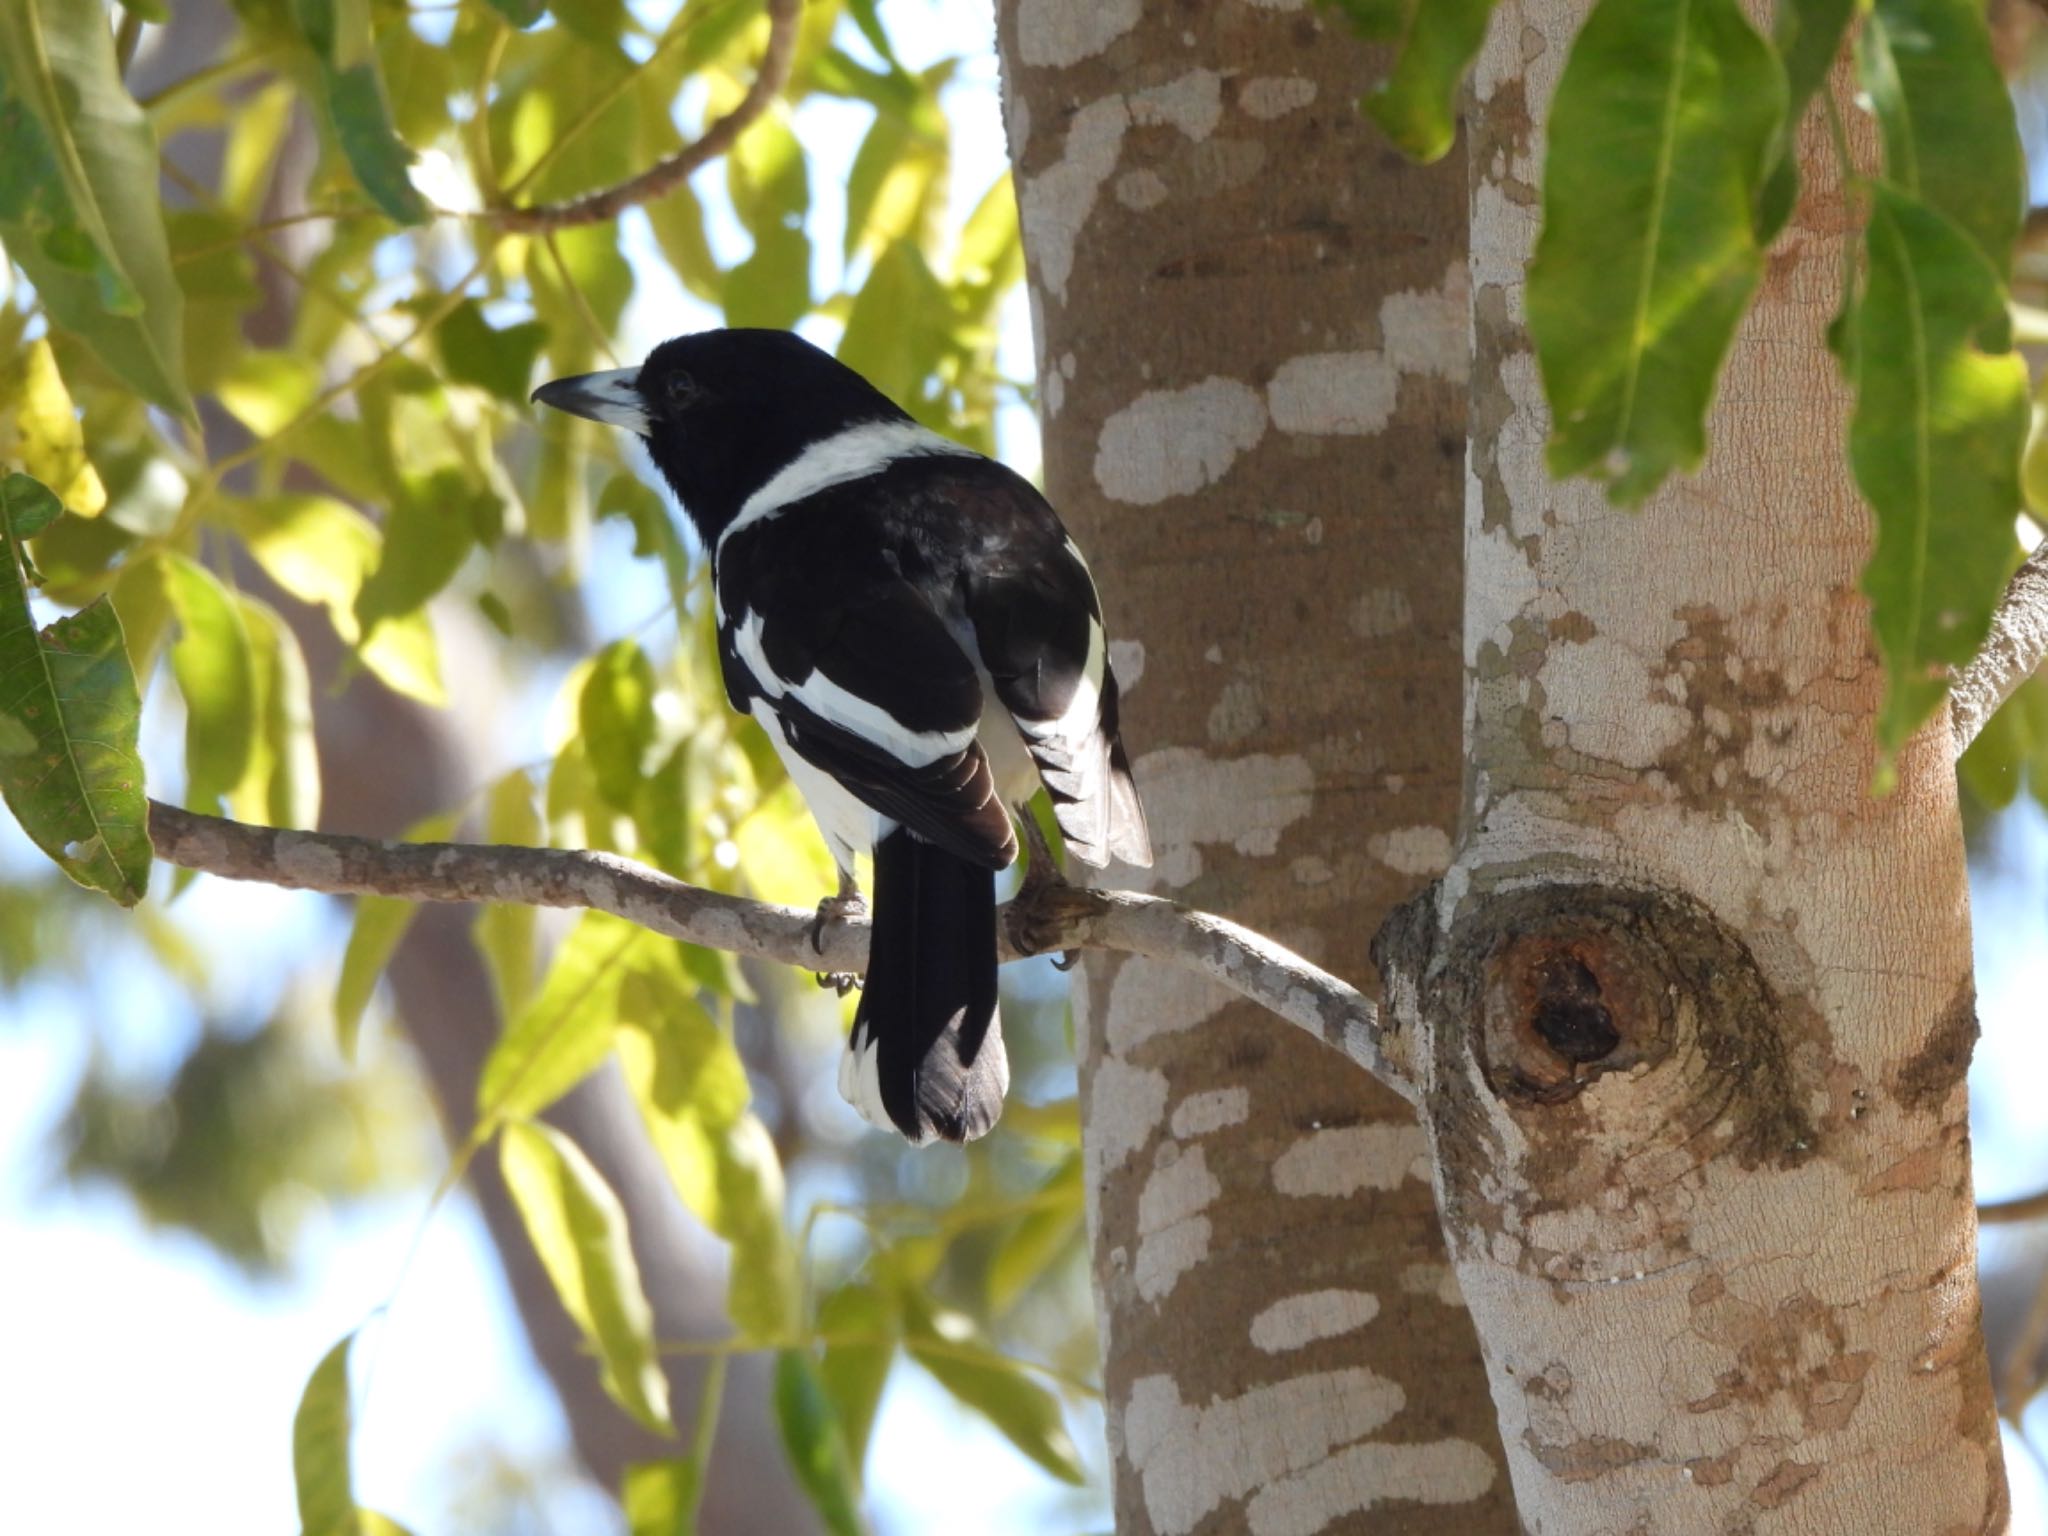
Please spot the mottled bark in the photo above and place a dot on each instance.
(1253, 344)
(1692, 1007)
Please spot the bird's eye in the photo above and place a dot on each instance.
(681, 391)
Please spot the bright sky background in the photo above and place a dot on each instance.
(147, 1385)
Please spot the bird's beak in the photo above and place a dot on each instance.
(611, 397)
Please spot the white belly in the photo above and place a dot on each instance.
(849, 824)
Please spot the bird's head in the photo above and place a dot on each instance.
(722, 411)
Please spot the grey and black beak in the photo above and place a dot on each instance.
(613, 398)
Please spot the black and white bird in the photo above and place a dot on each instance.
(923, 644)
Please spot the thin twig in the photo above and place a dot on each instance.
(2011, 653)
(1054, 917)
(2024, 1208)
(666, 175)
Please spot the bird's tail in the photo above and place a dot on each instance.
(926, 1053)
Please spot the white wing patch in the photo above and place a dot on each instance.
(850, 712)
(853, 454)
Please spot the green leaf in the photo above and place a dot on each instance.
(430, 533)
(567, 1030)
(322, 550)
(578, 1229)
(678, 220)
(77, 790)
(1935, 442)
(815, 1444)
(660, 1497)
(1808, 37)
(352, 91)
(30, 505)
(859, 1324)
(523, 13)
(282, 785)
(78, 195)
(215, 668)
(616, 715)
(320, 1443)
(1949, 134)
(1416, 105)
(380, 923)
(475, 352)
(505, 929)
(946, 1344)
(771, 288)
(1658, 140)
(692, 1091)
(894, 187)
(1038, 1239)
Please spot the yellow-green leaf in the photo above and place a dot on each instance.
(859, 1323)
(320, 1448)
(42, 433)
(282, 785)
(380, 923)
(815, 1444)
(564, 1033)
(947, 1345)
(578, 1229)
(505, 929)
(215, 668)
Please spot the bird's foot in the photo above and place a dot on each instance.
(841, 905)
(1043, 881)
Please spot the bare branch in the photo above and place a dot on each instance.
(2011, 653)
(1057, 916)
(665, 176)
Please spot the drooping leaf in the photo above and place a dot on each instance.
(692, 1092)
(71, 773)
(78, 195)
(616, 714)
(894, 188)
(1808, 36)
(947, 1345)
(1950, 138)
(1659, 138)
(1416, 105)
(505, 929)
(1038, 1238)
(523, 13)
(380, 923)
(815, 1444)
(678, 220)
(859, 1323)
(352, 90)
(282, 785)
(567, 1029)
(660, 1497)
(321, 1431)
(430, 532)
(215, 669)
(1935, 442)
(578, 1229)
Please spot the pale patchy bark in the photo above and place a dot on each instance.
(1692, 1007)
(1251, 318)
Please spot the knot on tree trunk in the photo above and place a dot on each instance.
(1608, 1040)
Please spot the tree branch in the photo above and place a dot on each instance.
(665, 176)
(1055, 917)
(2011, 653)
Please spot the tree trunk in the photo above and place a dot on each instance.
(1691, 1009)
(1252, 330)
